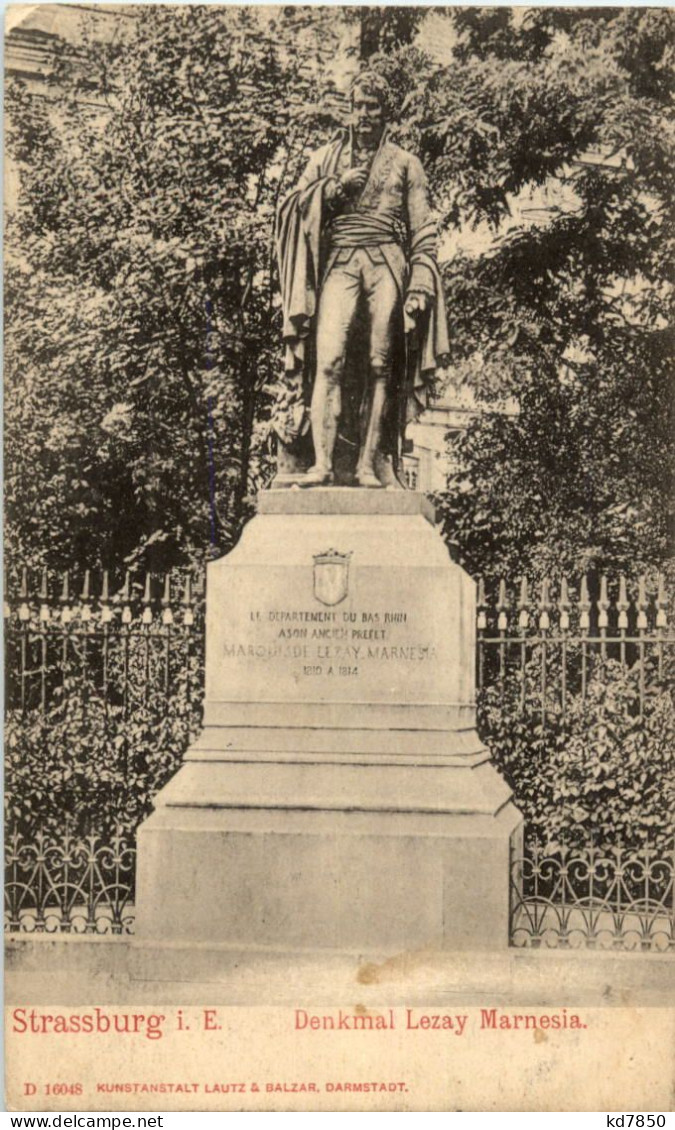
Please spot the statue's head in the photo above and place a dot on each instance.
(370, 98)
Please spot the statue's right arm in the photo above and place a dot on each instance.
(310, 174)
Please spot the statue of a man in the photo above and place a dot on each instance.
(364, 316)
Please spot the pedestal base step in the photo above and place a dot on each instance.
(315, 879)
(342, 746)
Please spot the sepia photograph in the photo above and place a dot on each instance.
(339, 587)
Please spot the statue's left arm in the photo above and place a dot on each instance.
(422, 283)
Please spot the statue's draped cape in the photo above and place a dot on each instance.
(304, 256)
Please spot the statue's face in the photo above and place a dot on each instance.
(367, 117)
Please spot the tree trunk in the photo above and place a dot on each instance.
(371, 20)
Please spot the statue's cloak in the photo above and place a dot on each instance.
(305, 255)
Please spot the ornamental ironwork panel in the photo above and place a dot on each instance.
(72, 885)
(593, 897)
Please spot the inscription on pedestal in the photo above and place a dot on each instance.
(368, 648)
(383, 618)
(334, 644)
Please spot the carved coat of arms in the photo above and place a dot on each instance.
(331, 576)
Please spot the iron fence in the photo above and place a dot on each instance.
(593, 896)
(145, 637)
(139, 644)
(147, 634)
(73, 885)
(552, 643)
(588, 896)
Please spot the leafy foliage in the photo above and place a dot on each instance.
(602, 771)
(142, 325)
(142, 311)
(569, 314)
(89, 765)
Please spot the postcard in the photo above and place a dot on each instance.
(340, 731)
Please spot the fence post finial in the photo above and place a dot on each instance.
(545, 605)
(564, 605)
(642, 604)
(661, 604)
(106, 610)
(584, 605)
(622, 604)
(65, 598)
(146, 618)
(603, 603)
(481, 606)
(167, 614)
(523, 603)
(188, 616)
(125, 596)
(502, 607)
(24, 610)
(85, 597)
(44, 598)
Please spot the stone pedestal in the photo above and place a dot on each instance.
(338, 797)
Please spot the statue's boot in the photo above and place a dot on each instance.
(324, 414)
(317, 476)
(366, 475)
(367, 479)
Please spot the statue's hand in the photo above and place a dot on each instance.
(416, 302)
(353, 181)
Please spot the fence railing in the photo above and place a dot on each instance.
(556, 638)
(120, 644)
(146, 633)
(69, 884)
(593, 897)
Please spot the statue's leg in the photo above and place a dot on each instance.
(337, 307)
(384, 308)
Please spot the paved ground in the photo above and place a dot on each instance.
(41, 970)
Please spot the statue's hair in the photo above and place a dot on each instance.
(370, 82)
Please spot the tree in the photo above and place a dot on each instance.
(383, 30)
(142, 325)
(572, 317)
